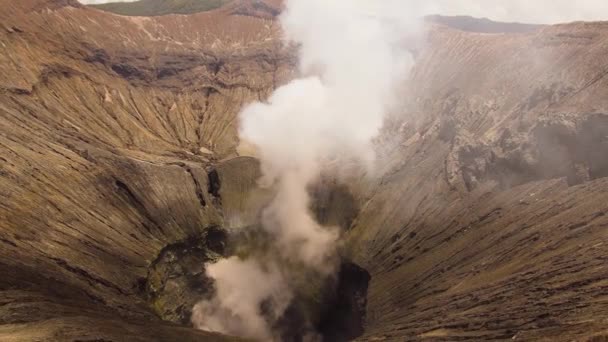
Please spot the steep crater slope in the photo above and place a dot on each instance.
(113, 134)
(118, 149)
(490, 220)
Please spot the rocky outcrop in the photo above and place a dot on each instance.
(118, 151)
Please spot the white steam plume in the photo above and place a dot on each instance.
(354, 60)
(242, 287)
(351, 58)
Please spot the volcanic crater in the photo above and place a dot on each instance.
(121, 175)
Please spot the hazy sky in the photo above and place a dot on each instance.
(531, 11)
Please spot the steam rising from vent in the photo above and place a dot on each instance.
(242, 288)
(353, 63)
(351, 58)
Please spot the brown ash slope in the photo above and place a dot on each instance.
(110, 127)
(489, 221)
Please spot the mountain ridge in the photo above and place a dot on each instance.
(161, 7)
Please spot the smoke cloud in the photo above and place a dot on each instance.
(353, 62)
(351, 58)
(242, 288)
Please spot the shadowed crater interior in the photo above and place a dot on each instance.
(334, 311)
(343, 313)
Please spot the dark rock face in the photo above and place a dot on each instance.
(336, 312)
(333, 204)
(556, 147)
(176, 279)
(343, 314)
